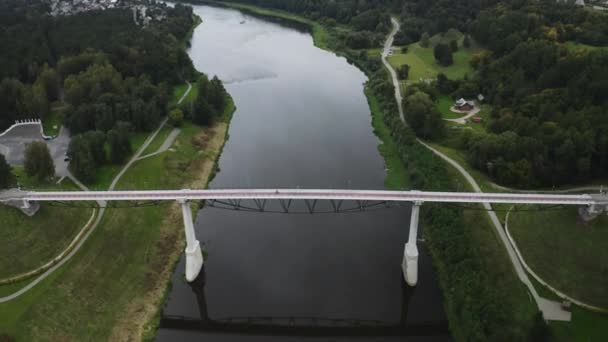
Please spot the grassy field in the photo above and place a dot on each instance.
(179, 90)
(575, 46)
(424, 66)
(29, 242)
(496, 261)
(158, 140)
(444, 103)
(52, 123)
(573, 256)
(116, 283)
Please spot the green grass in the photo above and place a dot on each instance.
(569, 255)
(52, 123)
(444, 103)
(118, 264)
(579, 47)
(159, 140)
(586, 326)
(424, 66)
(496, 262)
(178, 92)
(29, 242)
(397, 176)
(115, 265)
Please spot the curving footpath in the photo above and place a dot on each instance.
(551, 310)
(102, 209)
(540, 280)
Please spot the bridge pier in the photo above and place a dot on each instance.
(409, 265)
(194, 256)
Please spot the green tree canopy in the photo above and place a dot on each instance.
(6, 177)
(38, 161)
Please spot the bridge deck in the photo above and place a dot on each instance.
(306, 194)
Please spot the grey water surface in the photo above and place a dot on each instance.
(302, 120)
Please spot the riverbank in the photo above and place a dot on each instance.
(115, 285)
(490, 287)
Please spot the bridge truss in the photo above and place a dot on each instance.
(313, 200)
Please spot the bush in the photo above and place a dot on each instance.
(176, 117)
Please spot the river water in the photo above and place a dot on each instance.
(302, 120)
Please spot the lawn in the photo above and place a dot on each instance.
(444, 103)
(498, 268)
(29, 242)
(52, 122)
(575, 46)
(424, 66)
(116, 282)
(570, 255)
(158, 140)
(178, 92)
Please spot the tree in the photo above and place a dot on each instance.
(467, 41)
(95, 141)
(6, 176)
(38, 161)
(403, 72)
(422, 115)
(176, 117)
(118, 138)
(83, 162)
(454, 45)
(424, 40)
(443, 54)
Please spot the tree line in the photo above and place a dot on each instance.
(112, 76)
(549, 123)
(37, 42)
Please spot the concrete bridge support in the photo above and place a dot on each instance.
(194, 256)
(409, 265)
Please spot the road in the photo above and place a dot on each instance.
(13, 142)
(551, 310)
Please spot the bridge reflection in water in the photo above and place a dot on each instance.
(299, 326)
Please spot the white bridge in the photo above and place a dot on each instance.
(27, 201)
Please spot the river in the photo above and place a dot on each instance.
(302, 120)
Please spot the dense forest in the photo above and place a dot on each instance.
(549, 123)
(368, 22)
(45, 51)
(110, 74)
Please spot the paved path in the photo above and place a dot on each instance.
(550, 310)
(387, 46)
(99, 216)
(166, 144)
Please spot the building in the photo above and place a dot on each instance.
(464, 105)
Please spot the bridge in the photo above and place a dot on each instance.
(257, 200)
